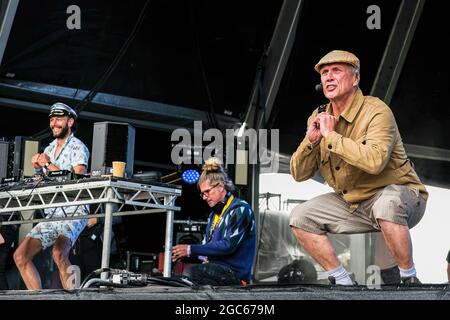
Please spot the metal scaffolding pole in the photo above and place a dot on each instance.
(8, 11)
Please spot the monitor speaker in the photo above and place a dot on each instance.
(189, 233)
(4, 159)
(112, 141)
(24, 149)
(188, 238)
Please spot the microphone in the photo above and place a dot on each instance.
(318, 87)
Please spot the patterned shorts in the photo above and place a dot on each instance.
(48, 232)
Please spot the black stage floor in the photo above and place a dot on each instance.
(254, 292)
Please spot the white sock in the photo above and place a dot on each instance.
(341, 276)
(406, 273)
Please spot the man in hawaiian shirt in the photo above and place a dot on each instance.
(65, 153)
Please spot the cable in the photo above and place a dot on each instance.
(87, 284)
(125, 278)
(41, 134)
(102, 282)
(5, 188)
(93, 273)
(177, 282)
(90, 96)
(35, 185)
(212, 119)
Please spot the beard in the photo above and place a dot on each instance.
(63, 133)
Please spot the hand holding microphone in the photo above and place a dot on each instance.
(327, 123)
(313, 132)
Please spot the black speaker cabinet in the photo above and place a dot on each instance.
(4, 158)
(188, 238)
(189, 233)
(24, 149)
(112, 141)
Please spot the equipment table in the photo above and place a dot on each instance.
(114, 193)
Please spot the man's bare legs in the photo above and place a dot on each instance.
(27, 251)
(398, 240)
(60, 253)
(319, 247)
(23, 258)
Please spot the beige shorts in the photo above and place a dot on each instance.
(330, 213)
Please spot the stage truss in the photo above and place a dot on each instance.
(107, 197)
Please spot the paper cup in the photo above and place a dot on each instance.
(119, 169)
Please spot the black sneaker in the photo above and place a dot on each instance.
(333, 281)
(411, 281)
(391, 276)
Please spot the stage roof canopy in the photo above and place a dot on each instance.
(162, 64)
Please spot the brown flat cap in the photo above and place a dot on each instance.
(338, 56)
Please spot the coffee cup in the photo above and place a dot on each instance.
(119, 169)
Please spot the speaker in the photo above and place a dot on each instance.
(24, 149)
(112, 141)
(4, 159)
(188, 238)
(189, 233)
(299, 271)
(141, 261)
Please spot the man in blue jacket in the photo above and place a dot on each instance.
(229, 244)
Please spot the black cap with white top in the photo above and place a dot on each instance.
(60, 109)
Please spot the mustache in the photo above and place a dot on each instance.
(63, 131)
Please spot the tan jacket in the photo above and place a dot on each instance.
(364, 154)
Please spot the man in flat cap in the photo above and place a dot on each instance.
(355, 144)
(65, 153)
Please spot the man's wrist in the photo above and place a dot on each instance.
(47, 164)
(327, 134)
(38, 170)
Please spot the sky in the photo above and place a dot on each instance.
(431, 237)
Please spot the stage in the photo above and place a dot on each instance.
(249, 293)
